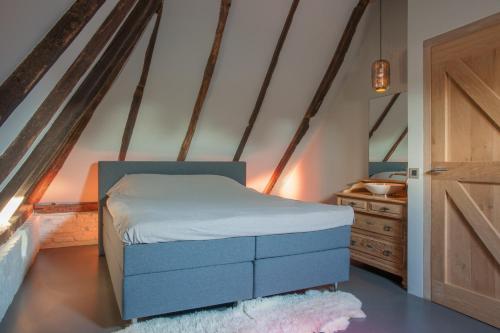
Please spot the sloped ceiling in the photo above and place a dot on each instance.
(183, 45)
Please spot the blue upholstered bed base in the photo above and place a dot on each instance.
(152, 279)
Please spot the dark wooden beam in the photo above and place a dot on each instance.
(384, 113)
(395, 145)
(15, 88)
(21, 144)
(139, 90)
(207, 78)
(324, 87)
(267, 80)
(55, 208)
(48, 156)
(127, 42)
(17, 220)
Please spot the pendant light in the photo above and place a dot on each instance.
(381, 70)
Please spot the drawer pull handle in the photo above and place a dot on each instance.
(387, 253)
(387, 228)
(369, 246)
(383, 209)
(352, 204)
(353, 242)
(369, 222)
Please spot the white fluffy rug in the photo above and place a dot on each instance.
(312, 312)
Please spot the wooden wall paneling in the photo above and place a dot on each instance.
(324, 87)
(139, 90)
(15, 88)
(384, 113)
(47, 158)
(267, 80)
(23, 141)
(207, 78)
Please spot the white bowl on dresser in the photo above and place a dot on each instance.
(384, 188)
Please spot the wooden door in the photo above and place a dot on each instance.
(465, 175)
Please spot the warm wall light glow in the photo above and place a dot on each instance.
(258, 183)
(292, 184)
(9, 210)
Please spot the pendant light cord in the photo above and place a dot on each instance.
(380, 29)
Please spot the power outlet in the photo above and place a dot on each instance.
(413, 173)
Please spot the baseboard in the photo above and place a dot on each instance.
(16, 256)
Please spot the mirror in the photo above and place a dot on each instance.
(388, 137)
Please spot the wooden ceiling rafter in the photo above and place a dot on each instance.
(31, 180)
(267, 80)
(42, 116)
(49, 155)
(36, 192)
(395, 145)
(384, 113)
(207, 78)
(322, 90)
(27, 74)
(139, 90)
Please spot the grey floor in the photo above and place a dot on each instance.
(69, 290)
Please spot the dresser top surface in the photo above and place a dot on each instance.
(358, 191)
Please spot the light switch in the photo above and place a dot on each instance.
(413, 173)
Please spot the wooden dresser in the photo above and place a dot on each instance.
(379, 230)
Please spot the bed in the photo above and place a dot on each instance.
(158, 277)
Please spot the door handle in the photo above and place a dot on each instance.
(438, 170)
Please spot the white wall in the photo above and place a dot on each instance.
(16, 256)
(335, 152)
(426, 19)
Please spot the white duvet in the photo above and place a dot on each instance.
(150, 208)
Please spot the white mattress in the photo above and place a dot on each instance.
(162, 208)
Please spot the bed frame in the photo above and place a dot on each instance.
(152, 279)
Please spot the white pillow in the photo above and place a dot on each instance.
(164, 186)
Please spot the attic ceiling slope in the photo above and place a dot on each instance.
(24, 140)
(207, 78)
(18, 85)
(50, 153)
(139, 90)
(323, 88)
(267, 80)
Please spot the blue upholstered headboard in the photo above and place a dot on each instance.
(109, 172)
(376, 167)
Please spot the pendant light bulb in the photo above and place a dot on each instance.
(381, 74)
(381, 69)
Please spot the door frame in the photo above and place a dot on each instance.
(428, 44)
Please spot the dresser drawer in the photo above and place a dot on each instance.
(386, 208)
(380, 225)
(379, 248)
(388, 266)
(356, 204)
